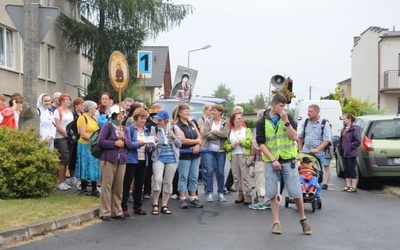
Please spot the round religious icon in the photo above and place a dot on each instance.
(118, 71)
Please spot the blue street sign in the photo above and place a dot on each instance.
(144, 64)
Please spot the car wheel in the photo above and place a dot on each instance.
(362, 181)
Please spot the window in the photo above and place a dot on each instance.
(398, 63)
(46, 2)
(50, 62)
(84, 85)
(39, 64)
(6, 48)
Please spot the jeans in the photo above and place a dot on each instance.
(350, 165)
(188, 174)
(214, 162)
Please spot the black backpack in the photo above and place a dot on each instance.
(324, 121)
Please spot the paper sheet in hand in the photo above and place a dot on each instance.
(149, 140)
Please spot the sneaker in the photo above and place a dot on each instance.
(324, 186)
(72, 181)
(276, 229)
(306, 228)
(66, 185)
(258, 206)
(62, 187)
(183, 204)
(221, 198)
(146, 196)
(174, 196)
(268, 204)
(195, 203)
(210, 198)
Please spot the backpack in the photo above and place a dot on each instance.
(322, 130)
(95, 150)
(72, 130)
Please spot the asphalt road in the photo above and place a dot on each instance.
(362, 220)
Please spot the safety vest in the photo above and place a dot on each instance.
(278, 142)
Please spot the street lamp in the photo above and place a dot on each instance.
(205, 47)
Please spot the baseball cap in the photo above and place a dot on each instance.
(306, 159)
(56, 95)
(162, 115)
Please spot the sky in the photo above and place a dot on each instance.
(308, 40)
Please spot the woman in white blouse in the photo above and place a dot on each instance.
(47, 125)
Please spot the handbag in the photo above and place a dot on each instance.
(248, 158)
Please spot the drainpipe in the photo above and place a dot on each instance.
(379, 73)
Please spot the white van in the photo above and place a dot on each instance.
(329, 110)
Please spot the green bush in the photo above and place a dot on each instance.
(250, 123)
(28, 167)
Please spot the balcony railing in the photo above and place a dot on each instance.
(391, 80)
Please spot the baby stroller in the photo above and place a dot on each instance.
(309, 197)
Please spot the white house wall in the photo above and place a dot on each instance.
(364, 75)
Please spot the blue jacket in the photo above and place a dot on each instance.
(132, 152)
(348, 146)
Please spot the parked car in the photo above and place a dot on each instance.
(379, 153)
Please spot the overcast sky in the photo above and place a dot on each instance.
(252, 40)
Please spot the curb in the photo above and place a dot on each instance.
(394, 190)
(14, 235)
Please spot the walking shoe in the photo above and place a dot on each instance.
(221, 197)
(84, 192)
(126, 214)
(96, 193)
(139, 211)
(276, 229)
(183, 204)
(195, 203)
(174, 196)
(106, 218)
(146, 196)
(210, 198)
(65, 184)
(258, 206)
(62, 187)
(324, 186)
(268, 204)
(72, 181)
(119, 217)
(306, 228)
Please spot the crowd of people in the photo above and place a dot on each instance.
(153, 152)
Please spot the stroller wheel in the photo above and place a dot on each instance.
(78, 184)
(319, 204)
(313, 208)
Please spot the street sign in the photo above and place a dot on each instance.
(47, 16)
(144, 64)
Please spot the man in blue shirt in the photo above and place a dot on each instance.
(314, 138)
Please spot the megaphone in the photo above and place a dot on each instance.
(283, 85)
(278, 81)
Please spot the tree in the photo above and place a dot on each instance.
(223, 92)
(259, 101)
(117, 25)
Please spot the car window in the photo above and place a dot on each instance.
(388, 129)
(196, 109)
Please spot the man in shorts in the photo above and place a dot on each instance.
(276, 136)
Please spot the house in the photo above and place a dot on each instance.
(345, 87)
(376, 68)
(59, 68)
(160, 83)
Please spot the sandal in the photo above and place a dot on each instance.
(351, 190)
(155, 211)
(345, 189)
(165, 210)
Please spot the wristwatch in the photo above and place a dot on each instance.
(287, 124)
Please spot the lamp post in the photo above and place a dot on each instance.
(205, 47)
